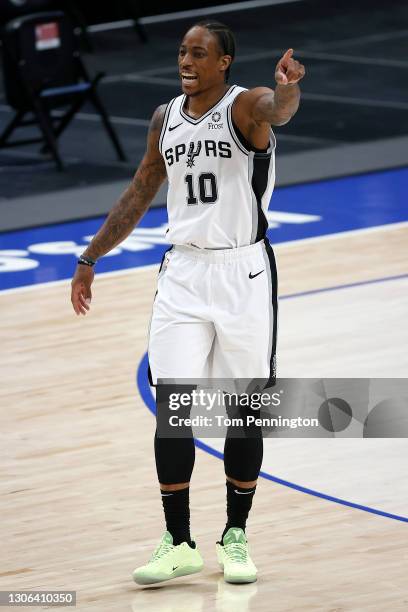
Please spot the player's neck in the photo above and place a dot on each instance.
(198, 105)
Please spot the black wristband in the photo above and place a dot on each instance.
(86, 261)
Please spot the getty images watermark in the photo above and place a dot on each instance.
(249, 405)
(299, 408)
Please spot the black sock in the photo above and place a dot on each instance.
(177, 514)
(239, 502)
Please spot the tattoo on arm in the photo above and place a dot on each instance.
(278, 108)
(135, 200)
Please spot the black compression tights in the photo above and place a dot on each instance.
(175, 456)
(243, 448)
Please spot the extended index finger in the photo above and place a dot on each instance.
(285, 59)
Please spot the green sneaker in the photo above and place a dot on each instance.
(233, 557)
(169, 561)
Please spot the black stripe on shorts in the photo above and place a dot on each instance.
(274, 279)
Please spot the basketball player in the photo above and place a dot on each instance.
(215, 311)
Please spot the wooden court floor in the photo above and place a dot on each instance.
(80, 505)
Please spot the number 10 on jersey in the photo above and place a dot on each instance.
(205, 189)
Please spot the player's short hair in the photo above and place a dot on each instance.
(225, 37)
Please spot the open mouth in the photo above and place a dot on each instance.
(187, 77)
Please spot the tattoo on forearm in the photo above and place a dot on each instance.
(287, 99)
(135, 200)
(279, 107)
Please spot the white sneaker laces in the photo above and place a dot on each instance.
(237, 552)
(161, 550)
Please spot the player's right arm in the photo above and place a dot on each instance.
(125, 214)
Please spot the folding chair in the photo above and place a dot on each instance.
(43, 71)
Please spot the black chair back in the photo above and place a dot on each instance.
(44, 48)
(43, 70)
(9, 9)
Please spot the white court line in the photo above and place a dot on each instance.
(324, 237)
(151, 71)
(94, 117)
(208, 11)
(65, 281)
(39, 163)
(251, 57)
(111, 25)
(335, 57)
(310, 139)
(145, 123)
(355, 101)
(133, 77)
(306, 96)
(345, 42)
(366, 230)
(115, 119)
(214, 10)
(352, 59)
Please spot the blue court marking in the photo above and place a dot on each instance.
(46, 254)
(346, 286)
(146, 394)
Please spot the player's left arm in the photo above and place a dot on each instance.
(265, 106)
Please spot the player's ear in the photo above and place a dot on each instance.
(225, 62)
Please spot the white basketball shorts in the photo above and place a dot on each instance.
(215, 314)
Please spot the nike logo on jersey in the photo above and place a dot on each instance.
(255, 275)
(174, 568)
(173, 127)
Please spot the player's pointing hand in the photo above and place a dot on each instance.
(289, 70)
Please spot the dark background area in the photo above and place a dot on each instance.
(354, 92)
(126, 8)
(97, 12)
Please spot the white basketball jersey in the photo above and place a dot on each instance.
(219, 190)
